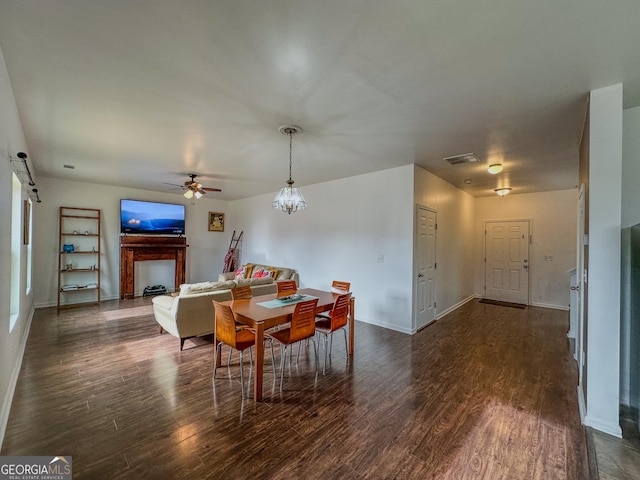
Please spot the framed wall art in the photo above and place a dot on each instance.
(216, 222)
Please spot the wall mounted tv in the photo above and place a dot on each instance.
(151, 218)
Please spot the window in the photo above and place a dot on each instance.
(29, 241)
(16, 244)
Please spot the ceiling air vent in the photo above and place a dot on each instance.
(464, 158)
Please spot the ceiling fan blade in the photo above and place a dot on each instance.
(173, 184)
(211, 189)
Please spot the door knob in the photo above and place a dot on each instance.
(420, 275)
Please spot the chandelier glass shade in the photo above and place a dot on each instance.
(502, 191)
(289, 199)
(495, 168)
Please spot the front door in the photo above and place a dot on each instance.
(426, 267)
(507, 261)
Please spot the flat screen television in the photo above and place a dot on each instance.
(151, 218)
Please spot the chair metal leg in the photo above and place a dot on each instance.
(229, 359)
(241, 375)
(346, 343)
(215, 359)
(273, 357)
(324, 343)
(283, 356)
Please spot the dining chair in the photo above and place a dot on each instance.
(302, 327)
(338, 286)
(336, 320)
(241, 292)
(239, 339)
(286, 288)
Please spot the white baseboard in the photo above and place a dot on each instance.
(13, 380)
(455, 307)
(603, 426)
(390, 326)
(548, 305)
(54, 303)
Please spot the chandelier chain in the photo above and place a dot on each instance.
(290, 149)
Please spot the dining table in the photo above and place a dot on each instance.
(265, 311)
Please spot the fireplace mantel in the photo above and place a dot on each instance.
(142, 248)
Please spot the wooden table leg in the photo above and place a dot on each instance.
(352, 318)
(259, 362)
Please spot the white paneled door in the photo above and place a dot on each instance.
(426, 267)
(507, 261)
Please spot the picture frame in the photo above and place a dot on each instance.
(25, 222)
(216, 222)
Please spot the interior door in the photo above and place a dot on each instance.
(581, 277)
(507, 261)
(426, 267)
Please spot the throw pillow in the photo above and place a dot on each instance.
(241, 273)
(260, 273)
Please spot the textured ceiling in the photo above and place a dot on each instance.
(140, 93)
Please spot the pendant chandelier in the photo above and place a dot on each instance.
(289, 199)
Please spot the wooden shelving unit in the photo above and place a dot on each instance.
(79, 257)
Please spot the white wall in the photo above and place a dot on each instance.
(605, 214)
(11, 341)
(631, 167)
(553, 228)
(205, 254)
(454, 238)
(630, 277)
(357, 229)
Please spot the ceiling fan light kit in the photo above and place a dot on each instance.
(289, 199)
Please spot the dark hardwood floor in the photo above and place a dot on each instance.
(488, 392)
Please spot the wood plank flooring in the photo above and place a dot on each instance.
(488, 392)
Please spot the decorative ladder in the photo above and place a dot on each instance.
(231, 258)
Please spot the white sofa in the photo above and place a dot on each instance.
(190, 313)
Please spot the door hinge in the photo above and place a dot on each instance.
(434, 305)
(436, 226)
(435, 265)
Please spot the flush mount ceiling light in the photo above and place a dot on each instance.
(289, 199)
(502, 191)
(495, 168)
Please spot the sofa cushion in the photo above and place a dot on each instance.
(254, 281)
(194, 288)
(284, 274)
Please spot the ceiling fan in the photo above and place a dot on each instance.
(194, 189)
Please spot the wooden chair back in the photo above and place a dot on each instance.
(225, 324)
(241, 292)
(338, 286)
(286, 288)
(340, 311)
(303, 321)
